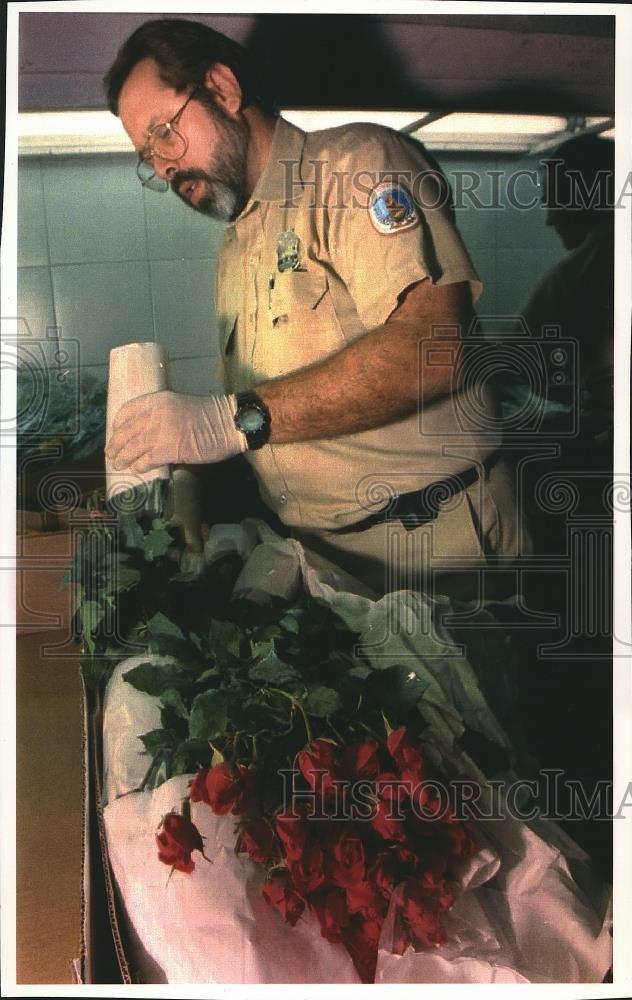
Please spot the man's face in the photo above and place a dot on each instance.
(570, 222)
(211, 175)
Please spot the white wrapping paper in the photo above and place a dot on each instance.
(135, 369)
(528, 909)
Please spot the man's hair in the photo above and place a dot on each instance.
(583, 173)
(183, 51)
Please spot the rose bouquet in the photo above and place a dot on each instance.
(318, 752)
(365, 828)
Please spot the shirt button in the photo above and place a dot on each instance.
(283, 498)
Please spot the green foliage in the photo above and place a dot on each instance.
(240, 681)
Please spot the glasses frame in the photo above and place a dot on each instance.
(147, 155)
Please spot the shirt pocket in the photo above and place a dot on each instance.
(302, 324)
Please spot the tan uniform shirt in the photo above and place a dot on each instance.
(349, 277)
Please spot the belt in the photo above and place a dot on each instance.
(420, 506)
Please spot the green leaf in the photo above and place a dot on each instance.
(156, 740)
(156, 543)
(262, 647)
(290, 623)
(133, 536)
(321, 701)
(160, 625)
(225, 637)
(91, 614)
(153, 679)
(272, 670)
(209, 715)
(212, 672)
(127, 577)
(171, 698)
(196, 640)
(396, 690)
(192, 754)
(360, 671)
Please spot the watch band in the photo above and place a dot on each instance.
(252, 419)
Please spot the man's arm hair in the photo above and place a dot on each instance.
(375, 379)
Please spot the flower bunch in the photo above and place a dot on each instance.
(364, 826)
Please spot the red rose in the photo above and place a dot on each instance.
(279, 893)
(366, 899)
(406, 755)
(292, 832)
(384, 872)
(407, 856)
(422, 914)
(318, 766)
(461, 844)
(307, 871)
(393, 788)
(176, 842)
(330, 907)
(345, 865)
(361, 940)
(258, 841)
(225, 788)
(361, 761)
(197, 788)
(385, 822)
(432, 877)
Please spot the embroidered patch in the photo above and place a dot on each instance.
(392, 208)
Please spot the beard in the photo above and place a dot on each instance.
(225, 194)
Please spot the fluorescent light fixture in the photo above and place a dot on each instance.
(67, 132)
(456, 130)
(63, 132)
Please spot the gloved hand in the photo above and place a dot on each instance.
(162, 428)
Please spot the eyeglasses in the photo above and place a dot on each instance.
(165, 142)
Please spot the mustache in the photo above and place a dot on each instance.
(181, 176)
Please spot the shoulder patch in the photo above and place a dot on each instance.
(392, 209)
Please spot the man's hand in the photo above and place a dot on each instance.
(164, 428)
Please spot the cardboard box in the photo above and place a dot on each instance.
(42, 558)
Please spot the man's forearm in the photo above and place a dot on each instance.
(371, 382)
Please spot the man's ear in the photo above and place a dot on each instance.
(225, 88)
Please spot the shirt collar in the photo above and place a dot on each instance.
(281, 173)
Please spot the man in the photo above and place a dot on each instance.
(343, 291)
(578, 293)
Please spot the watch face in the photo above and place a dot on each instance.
(251, 419)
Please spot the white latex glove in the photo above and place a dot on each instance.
(164, 428)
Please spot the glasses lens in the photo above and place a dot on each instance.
(168, 143)
(149, 178)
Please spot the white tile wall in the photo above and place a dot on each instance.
(182, 293)
(103, 306)
(109, 262)
(94, 210)
(199, 376)
(35, 300)
(174, 231)
(33, 244)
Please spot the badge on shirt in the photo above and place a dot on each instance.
(392, 209)
(287, 251)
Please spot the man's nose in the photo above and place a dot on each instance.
(165, 168)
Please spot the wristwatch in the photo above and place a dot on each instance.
(252, 419)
